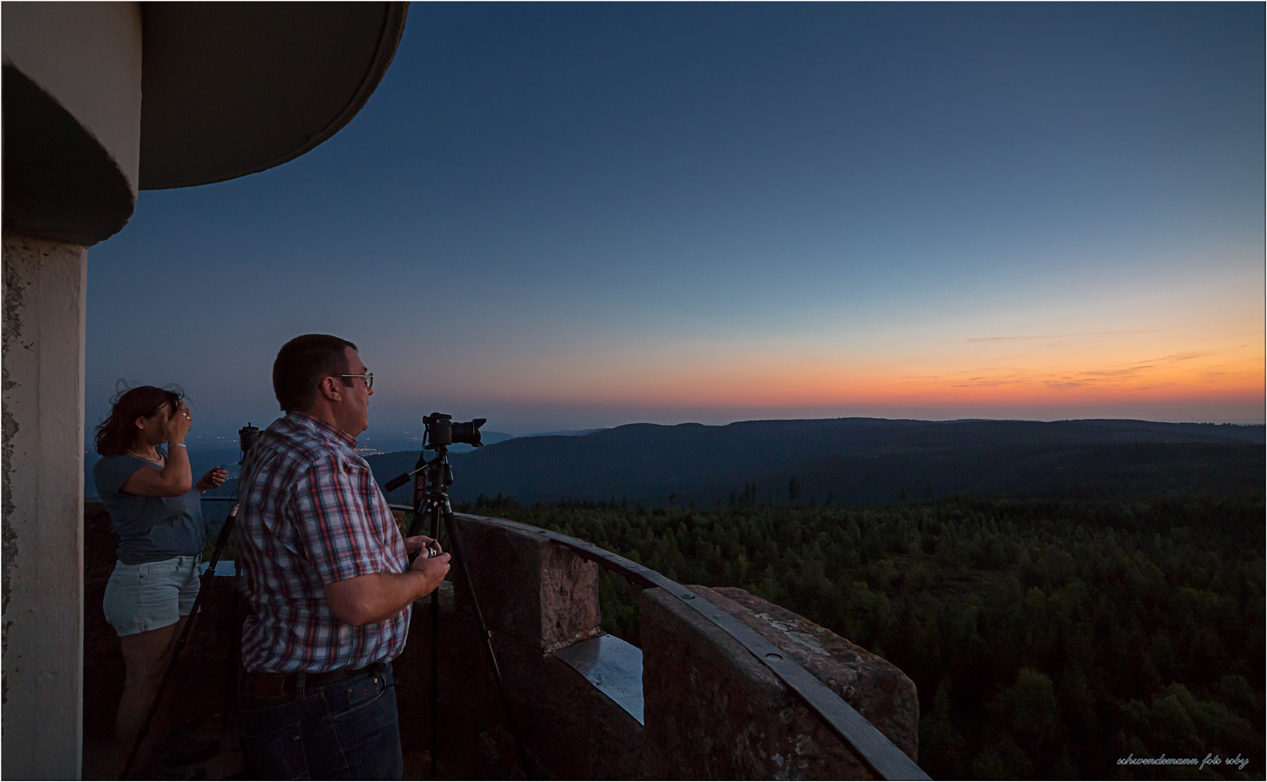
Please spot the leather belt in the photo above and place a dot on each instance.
(275, 685)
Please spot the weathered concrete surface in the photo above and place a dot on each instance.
(43, 414)
(88, 57)
(713, 711)
(235, 88)
(536, 596)
(570, 729)
(72, 118)
(876, 688)
(536, 592)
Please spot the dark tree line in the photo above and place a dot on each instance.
(1047, 639)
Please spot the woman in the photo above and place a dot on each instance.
(157, 511)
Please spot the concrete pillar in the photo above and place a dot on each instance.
(43, 442)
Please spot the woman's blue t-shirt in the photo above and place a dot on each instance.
(150, 528)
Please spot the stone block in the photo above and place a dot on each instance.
(536, 596)
(539, 593)
(713, 711)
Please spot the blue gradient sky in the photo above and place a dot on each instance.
(568, 216)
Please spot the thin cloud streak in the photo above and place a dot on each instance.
(1173, 370)
(1063, 336)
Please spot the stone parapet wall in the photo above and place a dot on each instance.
(712, 710)
(531, 590)
(536, 597)
(570, 729)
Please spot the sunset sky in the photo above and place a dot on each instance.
(572, 216)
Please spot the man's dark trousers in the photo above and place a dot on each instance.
(343, 729)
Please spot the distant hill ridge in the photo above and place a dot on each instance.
(860, 461)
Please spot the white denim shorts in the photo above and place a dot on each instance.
(151, 595)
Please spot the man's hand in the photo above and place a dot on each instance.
(376, 597)
(419, 543)
(433, 568)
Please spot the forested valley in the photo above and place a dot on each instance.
(1047, 638)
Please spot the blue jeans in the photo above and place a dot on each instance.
(345, 729)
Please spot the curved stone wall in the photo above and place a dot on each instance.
(704, 706)
(711, 709)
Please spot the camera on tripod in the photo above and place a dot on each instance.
(432, 479)
(440, 433)
(442, 430)
(247, 436)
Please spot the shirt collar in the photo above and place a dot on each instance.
(303, 419)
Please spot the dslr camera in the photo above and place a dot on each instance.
(443, 430)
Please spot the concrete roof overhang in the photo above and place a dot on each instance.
(230, 89)
(104, 99)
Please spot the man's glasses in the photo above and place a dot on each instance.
(369, 379)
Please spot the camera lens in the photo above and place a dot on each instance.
(468, 432)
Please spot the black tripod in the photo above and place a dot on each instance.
(432, 479)
(247, 434)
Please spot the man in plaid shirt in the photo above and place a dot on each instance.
(325, 569)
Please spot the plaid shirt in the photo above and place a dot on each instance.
(311, 515)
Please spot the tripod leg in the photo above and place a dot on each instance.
(435, 652)
(424, 509)
(230, 674)
(455, 540)
(180, 642)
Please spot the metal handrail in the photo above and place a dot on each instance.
(873, 749)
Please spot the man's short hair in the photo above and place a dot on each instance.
(302, 363)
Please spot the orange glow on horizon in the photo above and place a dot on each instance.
(971, 373)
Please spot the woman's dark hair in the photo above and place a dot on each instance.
(117, 434)
(302, 363)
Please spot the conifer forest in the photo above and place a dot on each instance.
(1047, 638)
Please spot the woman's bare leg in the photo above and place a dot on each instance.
(147, 656)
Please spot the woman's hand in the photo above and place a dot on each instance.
(174, 479)
(177, 425)
(213, 479)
